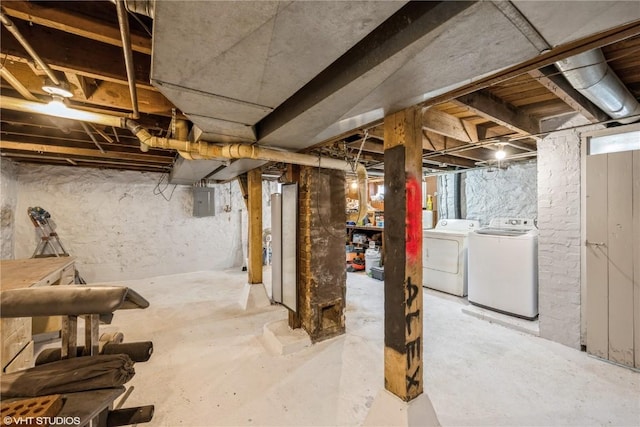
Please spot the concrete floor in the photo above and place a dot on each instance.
(210, 366)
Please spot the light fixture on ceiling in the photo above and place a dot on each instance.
(354, 185)
(500, 154)
(57, 104)
(61, 90)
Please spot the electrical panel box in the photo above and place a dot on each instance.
(203, 202)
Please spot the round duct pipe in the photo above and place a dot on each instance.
(590, 75)
(142, 7)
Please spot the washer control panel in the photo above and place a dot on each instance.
(513, 223)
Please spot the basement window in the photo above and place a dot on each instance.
(615, 142)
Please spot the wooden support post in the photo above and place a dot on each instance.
(69, 337)
(91, 334)
(403, 371)
(254, 178)
(294, 320)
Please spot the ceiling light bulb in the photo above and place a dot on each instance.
(57, 104)
(354, 185)
(500, 154)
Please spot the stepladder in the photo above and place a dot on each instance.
(49, 243)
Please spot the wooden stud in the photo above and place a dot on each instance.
(486, 105)
(74, 23)
(69, 336)
(43, 148)
(403, 254)
(254, 179)
(445, 124)
(88, 57)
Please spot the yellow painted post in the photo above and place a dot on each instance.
(254, 178)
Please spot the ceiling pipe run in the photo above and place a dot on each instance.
(25, 44)
(203, 150)
(197, 150)
(26, 106)
(590, 75)
(123, 20)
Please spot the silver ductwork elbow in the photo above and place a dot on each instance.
(590, 74)
(142, 7)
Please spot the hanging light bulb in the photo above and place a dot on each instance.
(57, 105)
(500, 154)
(354, 185)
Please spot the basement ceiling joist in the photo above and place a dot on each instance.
(69, 21)
(67, 52)
(81, 41)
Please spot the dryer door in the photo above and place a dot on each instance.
(441, 254)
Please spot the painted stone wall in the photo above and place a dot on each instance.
(510, 192)
(119, 226)
(8, 201)
(490, 193)
(559, 240)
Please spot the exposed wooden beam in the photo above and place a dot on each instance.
(69, 151)
(548, 77)
(450, 160)
(444, 124)
(102, 93)
(440, 142)
(80, 25)
(471, 129)
(81, 161)
(547, 58)
(371, 147)
(81, 86)
(486, 105)
(70, 53)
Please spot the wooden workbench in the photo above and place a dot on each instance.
(24, 273)
(16, 334)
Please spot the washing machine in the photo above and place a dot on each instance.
(444, 255)
(503, 267)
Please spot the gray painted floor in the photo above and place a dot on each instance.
(210, 366)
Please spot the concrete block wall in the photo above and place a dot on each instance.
(559, 243)
(323, 278)
(8, 201)
(118, 227)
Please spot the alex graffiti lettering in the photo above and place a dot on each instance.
(413, 346)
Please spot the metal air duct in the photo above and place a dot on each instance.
(590, 74)
(202, 150)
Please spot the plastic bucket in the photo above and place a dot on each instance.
(371, 259)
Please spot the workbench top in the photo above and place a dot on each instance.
(24, 273)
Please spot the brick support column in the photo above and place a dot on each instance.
(321, 243)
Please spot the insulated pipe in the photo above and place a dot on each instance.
(123, 20)
(589, 74)
(25, 44)
(207, 150)
(26, 106)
